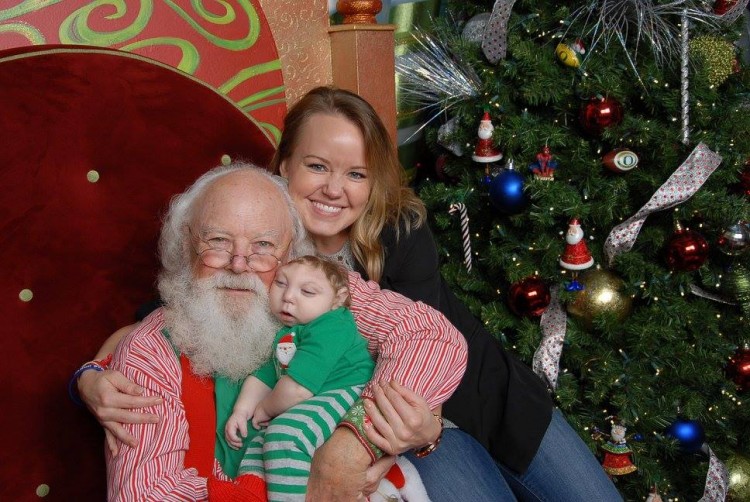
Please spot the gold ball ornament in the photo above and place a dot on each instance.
(739, 478)
(716, 55)
(603, 293)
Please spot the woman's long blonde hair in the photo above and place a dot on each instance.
(391, 201)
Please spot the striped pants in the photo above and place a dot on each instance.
(282, 452)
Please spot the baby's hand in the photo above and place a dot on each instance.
(261, 417)
(236, 423)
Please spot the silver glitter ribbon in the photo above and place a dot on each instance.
(495, 37)
(684, 61)
(546, 361)
(717, 478)
(461, 208)
(681, 185)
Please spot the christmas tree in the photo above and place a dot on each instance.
(602, 228)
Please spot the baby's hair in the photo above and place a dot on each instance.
(336, 274)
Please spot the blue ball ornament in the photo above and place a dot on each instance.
(506, 191)
(688, 433)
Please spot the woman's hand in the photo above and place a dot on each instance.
(400, 419)
(111, 398)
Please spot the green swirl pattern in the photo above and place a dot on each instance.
(190, 56)
(232, 45)
(198, 15)
(27, 31)
(75, 29)
(25, 7)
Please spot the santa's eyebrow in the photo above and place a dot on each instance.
(271, 234)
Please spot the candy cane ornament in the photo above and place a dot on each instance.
(461, 208)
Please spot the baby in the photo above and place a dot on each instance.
(319, 358)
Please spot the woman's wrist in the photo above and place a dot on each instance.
(95, 365)
(432, 445)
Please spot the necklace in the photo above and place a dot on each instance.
(343, 256)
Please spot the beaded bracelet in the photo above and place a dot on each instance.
(99, 365)
(430, 447)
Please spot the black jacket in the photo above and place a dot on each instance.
(499, 401)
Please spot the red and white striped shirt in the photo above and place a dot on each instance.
(413, 344)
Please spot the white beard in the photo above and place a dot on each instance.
(574, 236)
(219, 334)
(485, 131)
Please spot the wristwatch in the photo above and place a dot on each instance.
(430, 447)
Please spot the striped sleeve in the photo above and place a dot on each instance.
(412, 343)
(154, 470)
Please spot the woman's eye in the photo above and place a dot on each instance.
(357, 175)
(317, 167)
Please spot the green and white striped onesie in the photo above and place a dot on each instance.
(330, 359)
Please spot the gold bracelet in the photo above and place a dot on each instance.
(430, 447)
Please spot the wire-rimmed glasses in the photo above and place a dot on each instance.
(218, 254)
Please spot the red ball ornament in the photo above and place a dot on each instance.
(722, 6)
(529, 297)
(738, 368)
(686, 250)
(600, 113)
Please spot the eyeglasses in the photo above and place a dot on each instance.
(218, 254)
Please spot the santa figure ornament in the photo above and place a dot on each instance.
(485, 152)
(285, 350)
(576, 255)
(617, 453)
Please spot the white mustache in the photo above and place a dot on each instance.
(248, 282)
